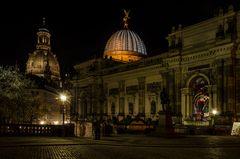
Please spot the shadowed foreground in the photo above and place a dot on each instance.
(118, 147)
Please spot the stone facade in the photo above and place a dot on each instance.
(200, 73)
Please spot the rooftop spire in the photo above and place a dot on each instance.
(125, 19)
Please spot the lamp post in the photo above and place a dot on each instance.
(63, 98)
(214, 112)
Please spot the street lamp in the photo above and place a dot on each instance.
(214, 112)
(63, 98)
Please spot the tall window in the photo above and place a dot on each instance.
(85, 111)
(113, 108)
(130, 108)
(153, 107)
(121, 105)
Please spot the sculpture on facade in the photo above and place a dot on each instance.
(164, 100)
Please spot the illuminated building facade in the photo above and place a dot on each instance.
(200, 73)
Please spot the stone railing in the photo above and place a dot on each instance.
(36, 130)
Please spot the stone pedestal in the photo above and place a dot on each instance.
(86, 129)
(165, 127)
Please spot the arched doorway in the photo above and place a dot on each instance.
(197, 99)
(200, 98)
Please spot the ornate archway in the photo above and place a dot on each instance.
(200, 99)
(197, 98)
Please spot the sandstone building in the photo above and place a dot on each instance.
(199, 73)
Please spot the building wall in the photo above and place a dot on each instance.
(204, 61)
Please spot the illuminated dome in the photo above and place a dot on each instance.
(126, 46)
(42, 62)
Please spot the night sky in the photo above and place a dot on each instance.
(80, 29)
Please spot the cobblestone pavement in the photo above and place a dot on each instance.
(120, 147)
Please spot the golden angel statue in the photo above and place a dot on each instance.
(125, 19)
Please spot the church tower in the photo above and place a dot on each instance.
(42, 62)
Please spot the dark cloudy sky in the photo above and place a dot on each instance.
(80, 29)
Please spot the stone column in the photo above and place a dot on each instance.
(210, 102)
(231, 86)
(172, 90)
(178, 80)
(220, 87)
(215, 103)
(141, 92)
(121, 97)
(186, 103)
(237, 72)
(126, 103)
(183, 101)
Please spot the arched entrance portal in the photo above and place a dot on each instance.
(200, 100)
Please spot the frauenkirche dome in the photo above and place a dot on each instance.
(42, 62)
(125, 45)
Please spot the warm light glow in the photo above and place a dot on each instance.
(214, 111)
(55, 122)
(63, 97)
(124, 56)
(42, 122)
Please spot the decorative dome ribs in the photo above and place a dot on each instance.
(126, 46)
